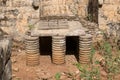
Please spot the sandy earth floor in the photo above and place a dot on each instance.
(46, 69)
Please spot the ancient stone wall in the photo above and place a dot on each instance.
(109, 12)
(63, 7)
(16, 15)
(83, 8)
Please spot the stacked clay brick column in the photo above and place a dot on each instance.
(32, 50)
(58, 49)
(85, 48)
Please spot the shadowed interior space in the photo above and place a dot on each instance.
(72, 46)
(45, 45)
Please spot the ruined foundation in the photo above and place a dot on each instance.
(58, 21)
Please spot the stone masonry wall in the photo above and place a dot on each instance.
(109, 11)
(16, 15)
(82, 9)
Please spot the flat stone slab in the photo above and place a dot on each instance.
(74, 28)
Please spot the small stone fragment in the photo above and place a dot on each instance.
(16, 69)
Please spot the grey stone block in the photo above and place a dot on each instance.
(7, 74)
(6, 46)
(1, 61)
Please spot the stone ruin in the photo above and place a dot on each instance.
(53, 18)
(15, 15)
(57, 21)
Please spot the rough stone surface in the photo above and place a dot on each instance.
(5, 61)
(109, 12)
(1, 62)
(17, 15)
(6, 50)
(74, 29)
(7, 71)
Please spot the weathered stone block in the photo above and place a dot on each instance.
(35, 15)
(109, 7)
(6, 46)
(103, 27)
(32, 21)
(114, 2)
(9, 3)
(55, 8)
(2, 16)
(1, 61)
(5, 62)
(85, 2)
(27, 9)
(118, 10)
(106, 1)
(7, 74)
(36, 3)
(22, 3)
(102, 20)
(110, 10)
(11, 12)
(82, 10)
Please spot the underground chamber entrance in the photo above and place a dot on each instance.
(45, 44)
(72, 46)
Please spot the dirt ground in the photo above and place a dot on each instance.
(46, 69)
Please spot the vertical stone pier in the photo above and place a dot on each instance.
(85, 48)
(32, 50)
(58, 49)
